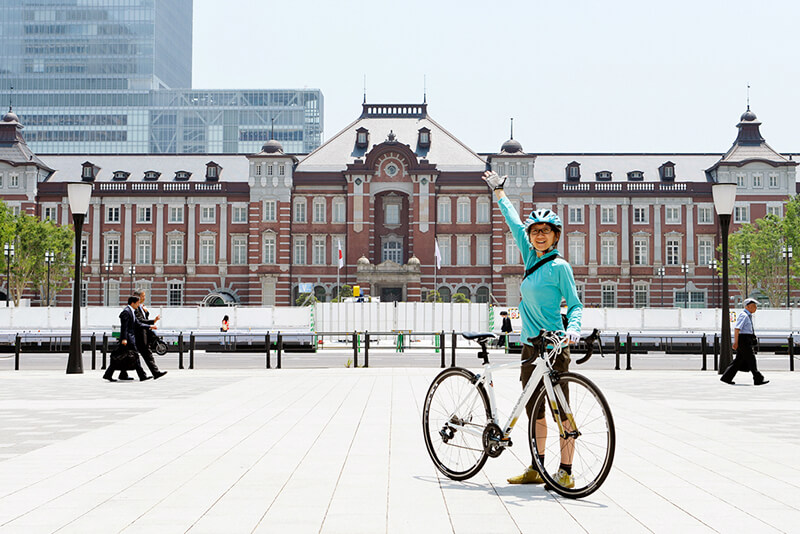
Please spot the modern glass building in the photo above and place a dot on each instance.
(109, 76)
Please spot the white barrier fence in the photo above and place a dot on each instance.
(388, 317)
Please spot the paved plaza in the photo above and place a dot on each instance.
(341, 450)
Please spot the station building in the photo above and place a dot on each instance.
(388, 190)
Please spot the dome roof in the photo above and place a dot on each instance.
(272, 147)
(413, 260)
(512, 146)
(363, 260)
(748, 116)
(10, 117)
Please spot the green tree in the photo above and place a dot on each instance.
(433, 296)
(344, 292)
(33, 237)
(460, 298)
(305, 299)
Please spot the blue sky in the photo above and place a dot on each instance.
(576, 76)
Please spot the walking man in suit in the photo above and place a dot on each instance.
(744, 343)
(127, 337)
(143, 335)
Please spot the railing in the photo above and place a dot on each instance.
(619, 187)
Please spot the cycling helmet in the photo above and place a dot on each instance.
(544, 216)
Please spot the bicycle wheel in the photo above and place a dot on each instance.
(160, 348)
(591, 453)
(453, 399)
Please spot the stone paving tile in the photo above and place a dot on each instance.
(341, 450)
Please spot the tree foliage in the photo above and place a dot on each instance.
(764, 241)
(32, 238)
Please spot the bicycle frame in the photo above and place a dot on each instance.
(541, 369)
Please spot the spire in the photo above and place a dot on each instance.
(365, 89)
(512, 127)
(424, 89)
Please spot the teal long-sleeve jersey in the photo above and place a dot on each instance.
(543, 290)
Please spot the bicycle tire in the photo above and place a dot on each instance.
(454, 396)
(593, 449)
(160, 348)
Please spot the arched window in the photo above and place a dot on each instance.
(444, 294)
(319, 293)
(464, 290)
(482, 295)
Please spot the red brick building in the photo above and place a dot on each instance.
(214, 229)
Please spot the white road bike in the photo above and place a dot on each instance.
(462, 428)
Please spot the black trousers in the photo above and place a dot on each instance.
(112, 366)
(745, 360)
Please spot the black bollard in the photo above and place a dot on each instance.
(93, 344)
(266, 343)
(791, 353)
(616, 351)
(17, 350)
(191, 350)
(355, 349)
(441, 344)
(280, 348)
(180, 350)
(628, 344)
(105, 350)
(704, 348)
(716, 352)
(366, 348)
(453, 351)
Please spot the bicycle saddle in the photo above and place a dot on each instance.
(480, 337)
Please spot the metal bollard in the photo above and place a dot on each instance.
(441, 343)
(791, 353)
(355, 349)
(17, 350)
(628, 344)
(266, 343)
(366, 348)
(191, 350)
(704, 348)
(180, 350)
(280, 348)
(453, 351)
(616, 351)
(716, 352)
(93, 343)
(105, 350)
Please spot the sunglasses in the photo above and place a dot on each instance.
(541, 231)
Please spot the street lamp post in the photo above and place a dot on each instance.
(660, 273)
(713, 266)
(108, 265)
(132, 272)
(8, 250)
(724, 198)
(787, 253)
(49, 257)
(685, 269)
(79, 195)
(746, 262)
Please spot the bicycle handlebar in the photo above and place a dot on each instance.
(588, 340)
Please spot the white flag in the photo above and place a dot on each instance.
(438, 255)
(341, 258)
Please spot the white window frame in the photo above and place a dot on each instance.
(391, 212)
(705, 250)
(575, 214)
(318, 251)
(741, 214)
(299, 214)
(175, 250)
(50, 213)
(463, 215)
(443, 208)
(319, 210)
(112, 247)
(113, 214)
(641, 250)
(705, 215)
(641, 215)
(445, 249)
(339, 207)
(577, 249)
(463, 250)
(639, 289)
(208, 214)
(672, 251)
(270, 210)
(758, 181)
(513, 255)
(774, 181)
(299, 256)
(608, 215)
(392, 250)
(175, 294)
(13, 181)
(776, 209)
(672, 214)
(208, 250)
(144, 214)
(483, 250)
(176, 214)
(238, 250)
(239, 213)
(270, 250)
(741, 180)
(483, 215)
(608, 250)
(144, 249)
(605, 288)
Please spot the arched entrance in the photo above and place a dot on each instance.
(220, 297)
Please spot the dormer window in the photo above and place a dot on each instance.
(667, 171)
(182, 176)
(362, 138)
(212, 171)
(424, 139)
(151, 175)
(603, 176)
(89, 171)
(573, 171)
(636, 176)
(121, 176)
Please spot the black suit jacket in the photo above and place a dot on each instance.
(129, 325)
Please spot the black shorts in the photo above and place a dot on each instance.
(561, 365)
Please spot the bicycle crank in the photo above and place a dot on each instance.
(493, 442)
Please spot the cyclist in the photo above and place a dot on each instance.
(542, 292)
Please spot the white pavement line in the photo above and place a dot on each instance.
(302, 499)
(270, 463)
(75, 492)
(222, 462)
(358, 501)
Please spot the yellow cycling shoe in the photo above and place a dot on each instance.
(530, 476)
(564, 479)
